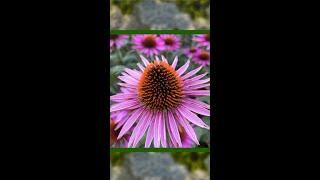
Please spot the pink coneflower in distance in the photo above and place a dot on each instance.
(190, 52)
(171, 42)
(160, 98)
(115, 124)
(203, 40)
(202, 57)
(148, 44)
(118, 40)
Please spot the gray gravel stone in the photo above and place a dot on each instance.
(159, 15)
(115, 17)
(154, 166)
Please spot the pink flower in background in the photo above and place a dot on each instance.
(171, 42)
(118, 40)
(202, 57)
(159, 100)
(148, 44)
(186, 141)
(203, 40)
(190, 52)
(114, 132)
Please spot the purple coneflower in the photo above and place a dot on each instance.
(116, 120)
(148, 44)
(159, 99)
(171, 42)
(117, 40)
(203, 40)
(202, 57)
(190, 52)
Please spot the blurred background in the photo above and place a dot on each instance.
(160, 166)
(160, 14)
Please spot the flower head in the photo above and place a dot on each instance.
(190, 52)
(171, 42)
(203, 40)
(202, 57)
(158, 99)
(148, 44)
(117, 41)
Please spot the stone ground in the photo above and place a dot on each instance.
(154, 166)
(152, 14)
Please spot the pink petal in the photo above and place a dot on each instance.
(143, 129)
(162, 128)
(164, 59)
(130, 122)
(198, 103)
(191, 73)
(144, 60)
(174, 128)
(197, 93)
(196, 82)
(183, 68)
(198, 86)
(123, 96)
(123, 105)
(197, 109)
(195, 78)
(120, 116)
(190, 116)
(149, 134)
(120, 123)
(187, 127)
(157, 130)
(128, 80)
(137, 129)
(175, 61)
(171, 139)
(133, 73)
(127, 85)
(140, 66)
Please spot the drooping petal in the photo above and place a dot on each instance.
(123, 96)
(134, 74)
(123, 105)
(137, 130)
(197, 109)
(197, 103)
(187, 127)
(127, 85)
(162, 128)
(157, 130)
(196, 78)
(190, 116)
(128, 80)
(174, 129)
(135, 115)
(197, 82)
(199, 86)
(144, 125)
(150, 134)
(197, 92)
